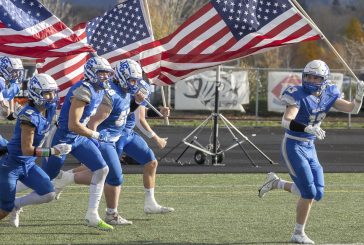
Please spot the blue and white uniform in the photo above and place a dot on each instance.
(119, 101)
(131, 142)
(14, 166)
(298, 149)
(8, 92)
(83, 148)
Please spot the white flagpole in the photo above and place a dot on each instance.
(303, 13)
(166, 120)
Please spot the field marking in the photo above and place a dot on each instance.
(213, 186)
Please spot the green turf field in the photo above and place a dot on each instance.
(210, 209)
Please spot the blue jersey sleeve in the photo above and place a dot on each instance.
(29, 117)
(291, 96)
(333, 91)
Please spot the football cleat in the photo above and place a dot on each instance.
(14, 216)
(157, 209)
(268, 184)
(301, 239)
(116, 219)
(100, 224)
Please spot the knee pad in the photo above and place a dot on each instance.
(115, 180)
(99, 175)
(319, 193)
(308, 192)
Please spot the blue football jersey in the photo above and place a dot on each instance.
(84, 91)
(120, 103)
(41, 123)
(312, 109)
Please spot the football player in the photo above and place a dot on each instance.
(32, 124)
(80, 104)
(306, 107)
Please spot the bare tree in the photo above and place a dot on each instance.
(60, 9)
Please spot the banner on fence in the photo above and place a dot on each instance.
(279, 81)
(197, 92)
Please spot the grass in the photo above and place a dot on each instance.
(210, 209)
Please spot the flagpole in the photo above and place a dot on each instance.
(304, 14)
(166, 120)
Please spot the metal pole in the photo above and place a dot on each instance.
(257, 87)
(215, 116)
(350, 98)
(303, 13)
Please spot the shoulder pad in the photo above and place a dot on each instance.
(291, 95)
(83, 93)
(332, 89)
(29, 112)
(27, 116)
(290, 90)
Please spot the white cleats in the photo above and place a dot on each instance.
(14, 216)
(116, 219)
(301, 239)
(157, 209)
(268, 184)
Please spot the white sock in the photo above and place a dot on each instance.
(299, 229)
(69, 177)
(21, 187)
(280, 184)
(111, 210)
(33, 198)
(96, 188)
(149, 196)
(295, 190)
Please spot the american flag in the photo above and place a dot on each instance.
(116, 35)
(29, 30)
(221, 31)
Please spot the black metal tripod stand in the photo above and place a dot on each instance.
(214, 149)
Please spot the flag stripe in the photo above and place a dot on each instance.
(112, 38)
(203, 42)
(35, 32)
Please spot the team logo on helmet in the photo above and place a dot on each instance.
(38, 85)
(98, 71)
(128, 73)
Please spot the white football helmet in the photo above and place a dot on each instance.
(127, 73)
(12, 69)
(38, 85)
(316, 68)
(94, 69)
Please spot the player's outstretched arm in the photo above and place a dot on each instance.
(355, 105)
